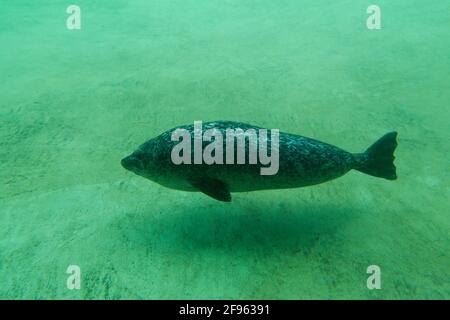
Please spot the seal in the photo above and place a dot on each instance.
(302, 162)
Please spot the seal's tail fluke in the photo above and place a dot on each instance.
(378, 160)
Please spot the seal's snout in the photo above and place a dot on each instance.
(132, 163)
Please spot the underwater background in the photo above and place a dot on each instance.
(73, 103)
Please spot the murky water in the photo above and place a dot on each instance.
(74, 102)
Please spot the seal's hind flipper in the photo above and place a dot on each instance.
(378, 160)
(212, 187)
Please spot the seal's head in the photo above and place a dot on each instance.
(134, 162)
(147, 161)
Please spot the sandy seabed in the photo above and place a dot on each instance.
(73, 103)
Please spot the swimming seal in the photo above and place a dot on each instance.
(302, 162)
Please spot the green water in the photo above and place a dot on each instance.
(74, 102)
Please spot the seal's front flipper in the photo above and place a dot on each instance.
(212, 187)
